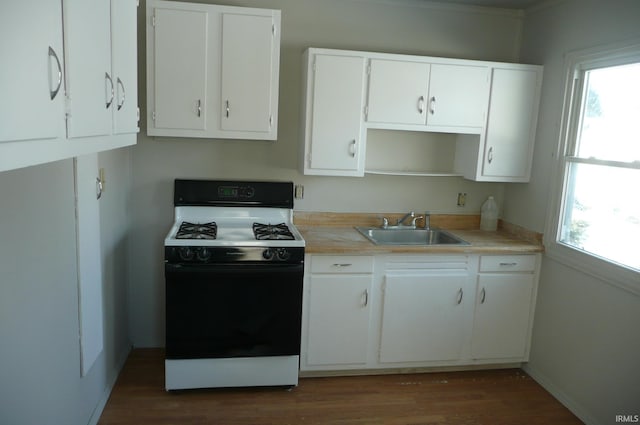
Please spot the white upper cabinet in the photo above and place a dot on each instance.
(177, 99)
(90, 86)
(397, 92)
(80, 86)
(332, 110)
(225, 84)
(31, 76)
(511, 126)
(124, 59)
(458, 98)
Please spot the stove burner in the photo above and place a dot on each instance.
(272, 232)
(197, 230)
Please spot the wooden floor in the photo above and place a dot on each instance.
(451, 398)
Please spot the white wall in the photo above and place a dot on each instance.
(401, 26)
(40, 379)
(585, 340)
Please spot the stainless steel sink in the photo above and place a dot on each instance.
(400, 236)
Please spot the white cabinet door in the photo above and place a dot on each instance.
(502, 316)
(90, 86)
(249, 90)
(397, 92)
(511, 125)
(338, 319)
(333, 121)
(177, 66)
(458, 96)
(31, 75)
(425, 317)
(124, 59)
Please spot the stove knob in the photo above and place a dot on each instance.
(186, 253)
(203, 254)
(283, 254)
(268, 254)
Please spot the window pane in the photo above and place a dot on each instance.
(610, 119)
(602, 212)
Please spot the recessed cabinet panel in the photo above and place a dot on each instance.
(398, 92)
(513, 109)
(32, 74)
(180, 66)
(247, 46)
(458, 96)
(503, 309)
(424, 317)
(336, 113)
(90, 85)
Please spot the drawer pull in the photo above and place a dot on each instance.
(508, 264)
(366, 297)
(460, 295)
(483, 295)
(342, 264)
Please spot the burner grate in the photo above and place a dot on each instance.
(272, 232)
(197, 230)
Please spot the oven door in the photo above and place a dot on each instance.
(233, 310)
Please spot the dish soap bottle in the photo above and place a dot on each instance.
(489, 215)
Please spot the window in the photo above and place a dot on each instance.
(599, 210)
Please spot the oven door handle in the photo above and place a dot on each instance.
(234, 268)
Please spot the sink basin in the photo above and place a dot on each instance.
(401, 236)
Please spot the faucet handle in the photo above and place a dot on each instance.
(385, 222)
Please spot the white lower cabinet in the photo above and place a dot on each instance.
(416, 311)
(337, 312)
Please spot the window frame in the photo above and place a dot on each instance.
(576, 63)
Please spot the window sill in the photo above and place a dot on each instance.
(613, 274)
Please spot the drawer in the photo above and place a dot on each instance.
(341, 264)
(507, 263)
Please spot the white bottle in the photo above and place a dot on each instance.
(489, 215)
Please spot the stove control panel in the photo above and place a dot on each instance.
(236, 192)
(212, 255)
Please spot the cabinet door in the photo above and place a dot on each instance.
(124, 59)
(89, 83)
(179, 67)
(502, 315)
(510, 132)
(424, 317)
(398, 92)
(338, 319)
(336, 89)
(248, 84)
(31, 75)
(458, 96)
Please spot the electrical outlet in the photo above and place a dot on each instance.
(299, 191)
(462, 199)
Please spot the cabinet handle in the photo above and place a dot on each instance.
(483, 295)
(199, 108)
(490, 155)
(342, 265)
(352, 148)
(119, 83)
(99, 188)
(460, 295)
(107, 77)
(508, 264)
(227, 108)
(53, 93)
(421, 104)
(366, 297)
(432, 105)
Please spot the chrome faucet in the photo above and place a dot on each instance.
(410, 214)
(427, 220)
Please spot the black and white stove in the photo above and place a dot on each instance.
(234, 265)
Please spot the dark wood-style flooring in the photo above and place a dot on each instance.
(453, 398)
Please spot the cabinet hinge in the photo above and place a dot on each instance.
(366, 112)
(369, 69)
(153, 21)
(273, 30)
(270, 121)
(138, 114)
(153, 115)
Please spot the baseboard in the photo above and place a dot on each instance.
(97, 412)
(561, 396)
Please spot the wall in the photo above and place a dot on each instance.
(40, 379)
(585, 339)
(400, 26)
